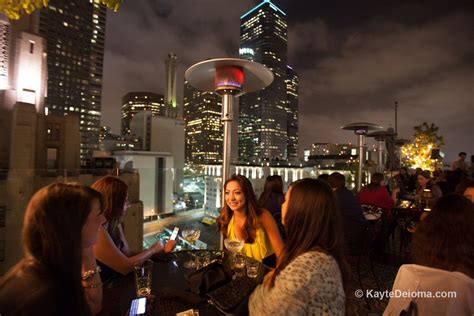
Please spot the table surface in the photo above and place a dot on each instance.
(120, 291)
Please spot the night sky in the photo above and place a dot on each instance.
(354, 59)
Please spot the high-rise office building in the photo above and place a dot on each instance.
(292, 113)
(134, 102)
(204, 130)
(171, 103)
(263, 115)
(4, 52)
(75, 33)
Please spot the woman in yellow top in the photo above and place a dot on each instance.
(242, 218)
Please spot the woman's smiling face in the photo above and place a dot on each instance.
(234, 197)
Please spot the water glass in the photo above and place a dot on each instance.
(252, 267)
(239, 261)
(203, 258)
(143, 274)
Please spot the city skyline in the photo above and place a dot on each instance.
(355, 59)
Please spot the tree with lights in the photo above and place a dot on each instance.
(15, 9)
(417, 154)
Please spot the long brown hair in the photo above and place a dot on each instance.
(253, 212)
(444, 239)
(311, 223)
(52, 230)
(114, 192)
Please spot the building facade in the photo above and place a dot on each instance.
(263, 115)
(292, 113)
(75, 34)
(134, 102)
(171, 103)
(204, 129)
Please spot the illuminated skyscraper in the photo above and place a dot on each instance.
(4, 52)
(171, 64)
(75, 33)
(134, 102)
(292, 113)
(204, 131)
(263, 115)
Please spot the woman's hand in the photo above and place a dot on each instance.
(170, 245)
(157, 247)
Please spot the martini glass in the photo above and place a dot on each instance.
(191, 235)
(233, 246)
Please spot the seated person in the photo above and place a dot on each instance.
(354, 224)
(377, 194)
(311, 273)
(272, 198)
(425, 182)
(58, 274)
(111, 250)
(242, 218)
(466, 188)
(443, 255)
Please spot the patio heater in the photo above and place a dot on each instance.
(229, 78)
(380, 137)
(361, 129)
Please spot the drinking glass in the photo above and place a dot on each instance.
(233, 246)
(191, 235)
(252, 267)
(143, 274)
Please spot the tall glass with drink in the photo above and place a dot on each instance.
(143, 277)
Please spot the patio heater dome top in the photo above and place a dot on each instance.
(361, 127)
(381, 135)
(204, 75)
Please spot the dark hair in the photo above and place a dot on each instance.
(425, 174)
(463, 186)
(462, 153)
(337, 180)
(375, 181)
(51, 234)
(444, 239)
(273, 186)
(114, 192)
(324, 177)
(311, 223)
(253, 212)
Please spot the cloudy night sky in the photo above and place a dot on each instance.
(354, 60)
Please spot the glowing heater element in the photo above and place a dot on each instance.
(229, 78)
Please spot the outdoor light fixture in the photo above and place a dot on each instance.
(361, 129)
(228, 77)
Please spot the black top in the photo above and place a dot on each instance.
(352, 218)
(107, 272)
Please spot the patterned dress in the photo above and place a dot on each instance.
(310, 285)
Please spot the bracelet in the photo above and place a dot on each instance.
(92, 286)
(90, 273)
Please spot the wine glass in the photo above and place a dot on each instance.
(191, 235)
(234, 246)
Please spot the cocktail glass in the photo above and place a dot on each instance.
(233, 246)
(191, 235)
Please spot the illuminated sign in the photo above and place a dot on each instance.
(246, 51)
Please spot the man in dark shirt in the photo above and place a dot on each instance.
(353, 221)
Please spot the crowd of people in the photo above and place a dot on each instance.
(74, 240)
